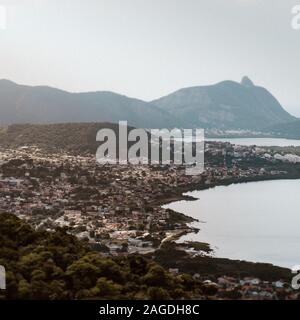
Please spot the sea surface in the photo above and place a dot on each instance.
(259, 141)
(256, 221)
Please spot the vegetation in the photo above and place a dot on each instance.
(198, 246)
(171, 256)
(290, 130)
(43, 265)
(77, 138)
(72, 138)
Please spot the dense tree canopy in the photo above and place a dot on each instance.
(43, 265)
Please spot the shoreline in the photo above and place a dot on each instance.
(172, 188)
(181, 196)
(226, 182)
(191, 229)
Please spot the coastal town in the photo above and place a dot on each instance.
(249, 288)
(118, 209)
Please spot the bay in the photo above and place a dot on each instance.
(257, 221)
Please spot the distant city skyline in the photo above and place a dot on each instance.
(147, 49)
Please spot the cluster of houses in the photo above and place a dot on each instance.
(118, 208)
(250, 288)
(115, 207)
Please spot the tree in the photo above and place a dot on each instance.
(157, 293)
(157, 276)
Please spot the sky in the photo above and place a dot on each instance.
(149, 48)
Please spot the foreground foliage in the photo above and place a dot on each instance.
(44, 265)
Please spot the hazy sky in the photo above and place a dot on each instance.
(149, 48)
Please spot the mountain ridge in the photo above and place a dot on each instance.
(44, 104)
(225, 105)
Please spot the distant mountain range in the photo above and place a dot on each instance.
(41, 104)
(227, 105)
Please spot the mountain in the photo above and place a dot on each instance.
(289, 130)
(226, 105)
(41, 104)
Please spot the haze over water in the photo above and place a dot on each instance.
(267, 142)
(257, 221)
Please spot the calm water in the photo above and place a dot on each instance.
(259, 141)
(257, 221)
